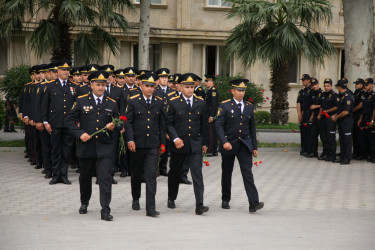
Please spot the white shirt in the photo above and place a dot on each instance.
(164, 89)
(61, 81)
(96, 97)
(242, 104)
(191, 100)
(129, 87)
(147, 98)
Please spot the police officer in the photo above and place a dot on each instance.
(344, 117)
(212, 99)
(327, 127)
(77, 78)
(366, 121)
(235, 127)
(93, 112)
(130, 78)
(57, 101)
(304, 101)
(359, 149)
(199, 91)
(186, 127)
(145, 133)
(313, 122)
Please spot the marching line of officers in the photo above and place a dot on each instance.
(320, 111)
(167, 115)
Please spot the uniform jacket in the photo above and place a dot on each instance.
(234, 127)
(186, 123)
(146, 125)
(200, 92)
(212, 102)
(90, 119)
(119, 95)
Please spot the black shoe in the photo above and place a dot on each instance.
(106, 217)
(305, 154)
(337, 161)
(6, 130)
(331, 159)
(29, 160)
(74, 166)
(13, 131)
(215, 154)
(54, 181)
(360, 157)
(255, 206)
(43, 171)
(163, 172)
(225, 205)
(114, 181)
(171, 204)
(185, 181)
(65, 181)
(32, 163)
(123, 174)
(345, 162)
(97, 182)
(322, 157)
(135, 205)
(83, 209)
(152, 213)
(38, 166)
(27, 156)
(311, 155)
(143, 180)
(48, 176)
(209, 154)
(78, 171)
(201, 209)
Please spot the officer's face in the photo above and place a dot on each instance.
(111, 79)
(85, 78)
(77, 78)
(42, 75)
(147, 90)
(327, 87)
(63, 74)
(238, 94)
(53, 74)
(47, 75)
(130, 80)
(170, 84)
(197, 83)
(188, 90)
(358, 86)
(98, 88)
(209, 84)
(178, 87)
(37, 76)
(369, 87)
(163, 80)
(315, 86)
(120, 80)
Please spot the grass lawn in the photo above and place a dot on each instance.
(15, 143)
(289, 126)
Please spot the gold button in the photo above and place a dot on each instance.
(64, 100)
(96, 128)
(148, 126)
(240, 130)
(189, 120)
(64, 113)
(96, 136)
(148, 112)
(189, 127)
(241, 116)
(98, 113)
(148, 135)
(189, 134)
(240, 123)
(189, 113)
(97, 120)
(64, 106)
(148, 119)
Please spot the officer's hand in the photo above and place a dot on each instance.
(32, 123)
(48, 127)
(204, 149)
(26, 121)
(39, 126)
(110, 126)
(167, 136)
(179, 143)
(333, 118)
(299, 118)
(371, 124)
(122, 130)
(211, 119)
(85, 137)
(319, 116)
(227, 146)
(359, 123)
(255, 153)
(131, 146)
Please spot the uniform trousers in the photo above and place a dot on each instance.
(62, 143)
(345, 133)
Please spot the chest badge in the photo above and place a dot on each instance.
(232, 111)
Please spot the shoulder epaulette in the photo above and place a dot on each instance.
(77, 84)
(135, 88)
(134, 96)
(225, 101)
(83, 85)
(174, 98)
(199, 97)
(82, 96)
(116, 85)
(159, 97)
(172, 93)
(249, 102)
(111, 99)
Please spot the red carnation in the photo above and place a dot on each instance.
(367, 123)
(123, 118)
(327, 115)
(267, 98)
(323, 112)
(12, 122)
(162, 147)
(304, 124)
(262, 90)
(294, 131)
(250, 99)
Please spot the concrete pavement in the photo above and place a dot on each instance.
(308, 204)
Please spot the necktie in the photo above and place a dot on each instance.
(148, 101)
(188, 103)
(98, 102)
(164, 91)
(64, 84)
(239, 106)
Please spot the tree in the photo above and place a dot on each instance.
(359, 39)
(275, 33)
(144, 35)
(94, 19)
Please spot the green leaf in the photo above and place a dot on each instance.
(86, 49)
(44, 37)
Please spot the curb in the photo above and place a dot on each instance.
(12, 149)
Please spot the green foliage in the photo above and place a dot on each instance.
(13, 82)
(262, 117)
(2, 112)
(15, 143)
(253, 94)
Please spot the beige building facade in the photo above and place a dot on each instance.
(188, 36)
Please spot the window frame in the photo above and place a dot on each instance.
(220, 5)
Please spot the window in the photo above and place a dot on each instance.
(215, 61)
(154, 59)
(3, 57)
(293, 72)
(152, 1)
(219, 3)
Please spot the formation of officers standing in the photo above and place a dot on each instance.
(63, 108)
(320, 111)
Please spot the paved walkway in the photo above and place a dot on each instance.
(309, 204)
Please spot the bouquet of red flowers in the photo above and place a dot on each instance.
(325, 114)
(205, 161)
(257, 162)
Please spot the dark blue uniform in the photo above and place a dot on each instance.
(359, 149)
(239, 130)
(98, 152)
(367, 112)
(200, 92)
(305, 100)
(187, 123)
(212, 99)
(313, 136)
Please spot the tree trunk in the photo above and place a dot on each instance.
(279, 88)
(144, 36)
(63, 49)
(359, 39)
